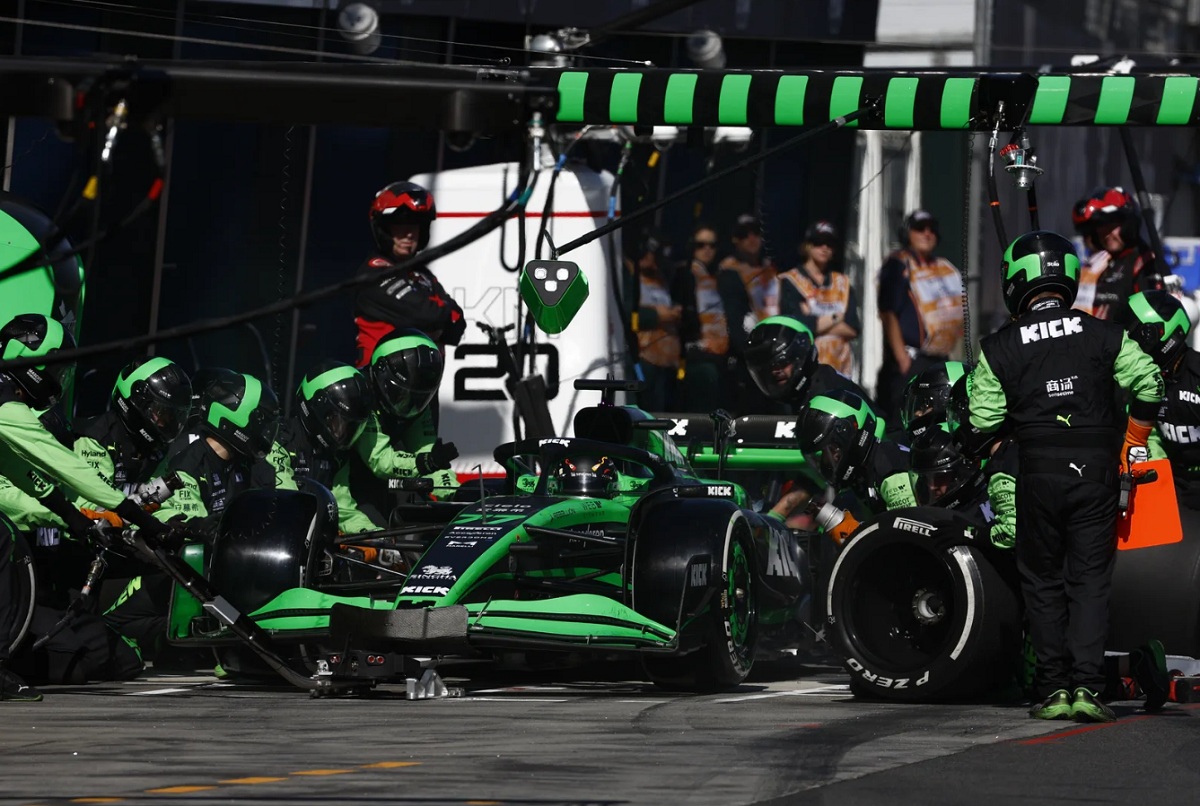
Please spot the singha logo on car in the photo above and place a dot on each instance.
(916, 527)
(444, 571)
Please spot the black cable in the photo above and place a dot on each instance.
(836, 123)
(1139, 185)
(993, 193)
(517, 201)
(968, 350)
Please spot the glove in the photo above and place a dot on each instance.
(1002, 493)
(113, 519)
(436, 458)
(1134, 450)
(838, 522)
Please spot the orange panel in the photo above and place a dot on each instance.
(1153, 516)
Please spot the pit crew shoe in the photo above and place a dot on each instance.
(1056, 706)
(14, 689)
(1148, 663)
(1086, 707)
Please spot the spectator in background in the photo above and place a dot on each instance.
(656, 319)
(703, 328)
(921, 308)
(815, 292)
(1109, 220)
(749, 287)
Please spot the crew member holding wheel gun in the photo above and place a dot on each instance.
(1051, 375)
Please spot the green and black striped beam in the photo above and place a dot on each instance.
(906, 100)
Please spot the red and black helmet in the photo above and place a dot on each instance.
(401, 203)
(1107, 205)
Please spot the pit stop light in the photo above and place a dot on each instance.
(554, 291)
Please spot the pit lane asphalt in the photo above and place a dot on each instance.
(193, 740)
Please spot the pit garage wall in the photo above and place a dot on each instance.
(1048, 32)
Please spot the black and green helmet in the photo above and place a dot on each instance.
(335, 404)
(836, 432)
(242, 412)
(1160, 326)
(153, 397)
(942, 475)
(781, 356)
(927, 394)
(34, 335)
(1036, 262)
(406, 369)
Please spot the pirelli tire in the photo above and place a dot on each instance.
(918, 610)
(719, 630)
(268, 542)
(1156, 594)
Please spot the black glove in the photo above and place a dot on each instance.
(438, 457)
(143, 520)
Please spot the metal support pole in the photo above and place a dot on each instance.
(302, 254)
(160, 237)
(12, 121)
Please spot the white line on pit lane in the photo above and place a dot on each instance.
(803, 692)
(157, 691)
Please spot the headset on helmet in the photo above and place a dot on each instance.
(335, 404)
(406, 369)
(153, 398)
(781, 357)
(1160, 326)
(927, 394)
(34, 335)
(592, 476)
(242, 412)
(913, 219)
(401, 203)
(1104, 206)
(1036, 262)
(942, 475)
(836, 432)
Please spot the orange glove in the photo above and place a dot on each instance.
(1134, 449)
(113, 518)
(837, 522)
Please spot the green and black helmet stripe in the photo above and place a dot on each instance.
(1038, 262)
(1145, 313)
(788, 322)
(405, 342)
(310, 386)
(861, 415)
(1160, 326)
(124, 384)
(50, 337)
(251, 396)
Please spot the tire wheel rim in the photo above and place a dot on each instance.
(740, 597)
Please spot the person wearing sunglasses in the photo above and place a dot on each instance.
(814, 290)
(703, 328)
(920, 307)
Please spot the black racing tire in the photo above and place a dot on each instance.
(1156, 594)
(917, 613)
(24, 581)
(263, 548)
(727, 627)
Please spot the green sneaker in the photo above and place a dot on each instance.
(1056, 706)
(1086, 707)
(219, 672)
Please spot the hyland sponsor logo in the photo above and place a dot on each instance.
(916, 527)
(424, 590)
(1054, 329)
(1061, 387)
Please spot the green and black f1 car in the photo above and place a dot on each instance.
(660, 564)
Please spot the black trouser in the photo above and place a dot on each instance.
(140, 612)
(82, 652)
(1066, 546)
